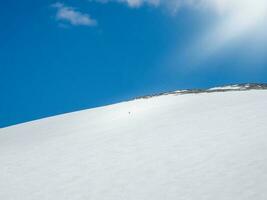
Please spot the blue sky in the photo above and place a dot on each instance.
(63, 56)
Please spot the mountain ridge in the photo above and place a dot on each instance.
(206, 146)
(224, 88)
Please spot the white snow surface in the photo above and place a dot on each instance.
(229, 87)
(176, 147)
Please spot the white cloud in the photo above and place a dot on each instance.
(239, 17)
(237, 21)
(133, 3)
(236, 15)
(72, 16)
(234, 23)
(235, 18)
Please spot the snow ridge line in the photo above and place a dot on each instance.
(225, 88)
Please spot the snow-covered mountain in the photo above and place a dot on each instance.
(186, 145)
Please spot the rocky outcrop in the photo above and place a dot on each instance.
(226, 88)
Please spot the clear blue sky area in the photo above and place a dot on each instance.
(58, 57)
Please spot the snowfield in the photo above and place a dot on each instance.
(206, 146)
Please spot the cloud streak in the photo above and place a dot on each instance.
(235, 19)
(133, 3)
(72, 16)
(238, 15)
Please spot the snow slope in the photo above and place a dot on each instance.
(231, 87)
(203, 146)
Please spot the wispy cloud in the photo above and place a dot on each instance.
(133, 3)
(238, 20)
(235, 20)
(72, 16)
